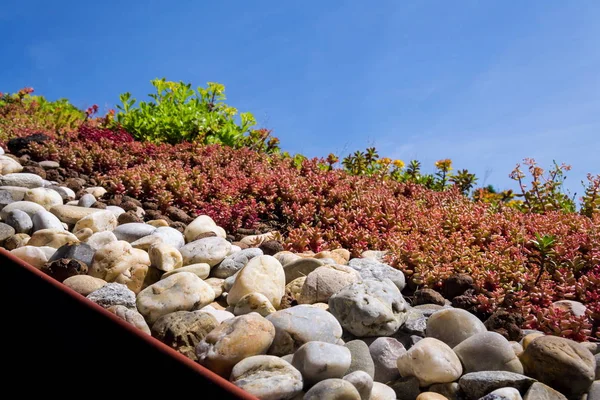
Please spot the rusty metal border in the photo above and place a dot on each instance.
(6, 258)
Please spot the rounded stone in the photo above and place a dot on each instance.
(46, 220)
(22, 180)
(9, 166)
(130, 316)
(370, 268)
(267, 377)
(326, 281)
(201, 224)
(332, 389)
(15, 241)
(98, 222)
(113, 294)
(235, 262)
(262, 274)
(450, 390)
(19, 220)
(133, 231)
(527, 339)
(488, 351)
(254, 302)
(165, 257)
(170, 236)
(318, 361)
(361, 358)
(503, 394)
(430, 361)
(52, 238)
(64, 192)
(77, 251)
(431, 396)
(6, 230)
(216, 284)
(220, 315)
(234, 340)
(477, 384)
(369, 308)
(453, 325)
(183, 330)
(560, 363)
(385, 351)
(96, 191)
(539, 391)
(362, 381)
(86, 200)
(47, 198)
(26, 206)
(121, 263)
(210, 250)
(64, 268)
(34, 255)
(292, 329)
(201, 270)
(70, 214)
(84, 284)
(301, 267)
(286, 257)
(101, 239)
(180, 292)
(382, 392)
(572, 307)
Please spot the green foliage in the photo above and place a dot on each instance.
(543, 254)
(590, 202)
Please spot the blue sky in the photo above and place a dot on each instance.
(485, 83)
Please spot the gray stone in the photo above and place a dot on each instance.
(22, 180)
(267, 377)
(113, 294)
(300, 267)
(488, 351)
(233, 263)
(594, 392)
(385, 351)
(6, 231)
(539, 391)
(503, 394)
(406, 388)
(5, 198)
(66, 193)
(298, 325)
(318, 361)
(325, 281)
(370, 268)
(363, 382)
(369, 308)
(133, 231)
(210, 250)
(86, 200)
(46, 220)
(451, 390)
(76, 251)
(597, 375)
(453, 325)
(415, 323)
(332, 389)
(47, 164)
(20, 221)
(170, 236)
(26, 206)
(361, 358)
(478, 384)
(382, 392)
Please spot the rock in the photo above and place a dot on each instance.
(503, 394)
(428, 296)
(517, 348)
(9, 166)
(488, 351)
(133, 231)
(295, 287)
(572, 307)
(539, 391)
(382, 392)
(100, 221)
(146, 242)
(318, 361)
(121, 263)
(332, 389)
(431, 361)
(385, 351)
(262, 274)
(560, 363)
(211, 250)
(26, 206)
(52, 238)
(292, 331)
(16, 192)
(376, 254)
(527, 339)
(405, 388)
(20, 144)
(594, 392)
(431, 396)
(165, 257)
(96, 191)
(16, 241)
(233, 263)
(267, 377)
(507, 324)
(71, 214)
(216, 284)
(130, 316)
(300, 268)
(450, 390)
(6, 230)
(169, 236)
(49, 164)
(220, 315)
(325, 281)
(416, 322)
(457, 285)
(5, 198)
(201, 224)
(22, 180)
(257, 240)
(19, 220)
(361, 358)
(593, 347)
(286, 257)
(370, 268)
(158, 223)
(65, 193)
(363, 383)
(369, 308)
(129, 217)
(47, 198)
(228, 283)
(453, 325)
(477, 384)
(113, 294)
(254, 302)
(234, 340)
(101, 239)
(35, 170)
(271, 247)
(183, 330)
(180, 292)
(77, 251)
(117, 211)
(46, 220)
(84, 284)
(64, 268)
(200, 269)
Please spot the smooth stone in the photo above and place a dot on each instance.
(210, 250)
(385, 351)
(517, 348)
(52, 238)
(6, 230)
(65, 193)
(295, 287)
(405, 388)
(16, 192)
(593, 347)
(36, 256)
(369, 268)
(180, 292)
(332, 389)
(431, 361)
(146, 242)
(71, 214)
(183, 330)
(431, 396)
(450, 390)
(202, 224)
(133, 231)
(47, 164)
(300, 268)
(415, 323)
(101, 239)
(96, 191)
(262, 274)
(170, 236)
(363, 383)
(477, 384)
(234, 340)
(318, 361)
(326, 281)
(84, 284)
(572, 307)
(369, 308)
(594, 392)
(86, 200)
(113, 294)
(267, 377)
(220, 315)
(503, 394)
(84, 234)
(158, 223)
(26, 206)
(116, 210)
(5, 198)
(15, 241)
(201, 270)
(130, 316)
(453, 325)
(376, 254)
(382, 392)
(527, 339)
(539, 391)
(235, 262)
(292, 329)
(254, 302)
(76, 251)
(216, 284)
(165, 257)
(361, 358)
(19, 220)
(9, 166)
(98, 222)
(488, 351)
(47, 198)
(257, 240)
(560, 363)
(46, 220)
(228, 283)
(121, 263)
(22, 180)
(286, 257)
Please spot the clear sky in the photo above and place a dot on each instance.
(485, 83)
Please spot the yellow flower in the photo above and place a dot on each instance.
(445, 164)
(384, 161)
(399, 164)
